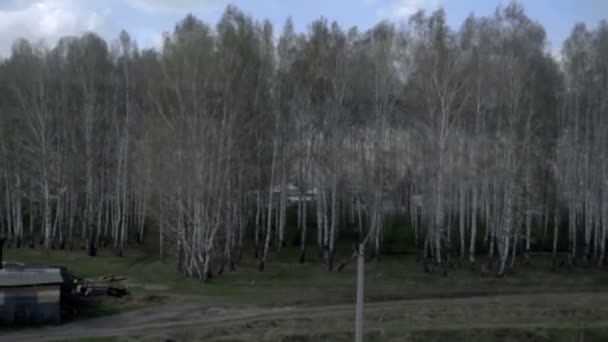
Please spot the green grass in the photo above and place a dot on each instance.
(394, 335)
(394, 327)
(465, 335)
(98, 339)
(285, 281)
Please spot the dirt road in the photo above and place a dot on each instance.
(518, 309)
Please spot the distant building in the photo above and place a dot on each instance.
(30, 295)
(293, 194)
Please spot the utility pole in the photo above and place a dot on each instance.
(359, 308)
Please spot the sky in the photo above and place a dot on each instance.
(146, 20)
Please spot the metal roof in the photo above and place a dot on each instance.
(30, 277)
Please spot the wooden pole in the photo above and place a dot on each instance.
(359, 308)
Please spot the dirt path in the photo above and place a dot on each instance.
(433, 313)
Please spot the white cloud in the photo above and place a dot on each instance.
(49, 20)
(398, 9)
(177, 5)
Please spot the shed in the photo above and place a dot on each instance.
(30, 295)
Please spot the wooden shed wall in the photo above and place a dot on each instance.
(32, 304)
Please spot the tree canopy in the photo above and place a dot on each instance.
(478, 137)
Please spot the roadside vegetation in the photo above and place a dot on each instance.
(403, 302)
(285, 283)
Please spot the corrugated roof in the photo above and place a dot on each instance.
(30, 277)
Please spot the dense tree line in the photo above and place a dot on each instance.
(479, 137)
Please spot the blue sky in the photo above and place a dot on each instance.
(145, 20)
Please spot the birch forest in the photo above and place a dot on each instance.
(465, 145)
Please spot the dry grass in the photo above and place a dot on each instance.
(550, 317)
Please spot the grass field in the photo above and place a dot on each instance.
(285, 282)
(394, 335)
